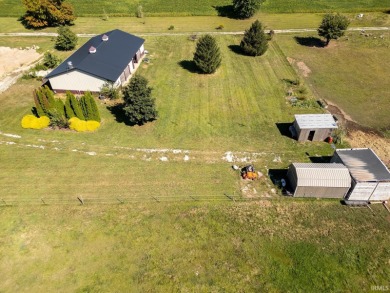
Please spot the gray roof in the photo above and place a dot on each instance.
(312, 121)
(322, 174)
(364, 164)
(109, 61)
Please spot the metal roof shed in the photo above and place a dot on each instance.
(314, 127)
(370, 177)
(324, 180)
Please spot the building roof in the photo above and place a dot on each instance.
(364, 164)
(313, 121)
(110, 59)
(322, 174)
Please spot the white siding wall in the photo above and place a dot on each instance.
(76, 81)
(381, 192)
(362, 191)
(142, 49)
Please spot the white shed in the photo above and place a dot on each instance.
(370, 176)
(313, 127)
(325, 180)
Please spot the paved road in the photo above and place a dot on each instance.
(285, 31)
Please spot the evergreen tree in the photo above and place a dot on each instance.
(333, 26)
(39, 104)
(245, 8)
(44, 13)
(68, 107)
(207, 56)
(50, 60)
(74, 103)
(95, 115)
(66, 39)
(139, 105)
(255, 41)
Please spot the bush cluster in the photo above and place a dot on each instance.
(82, 126)
(60, 113)
(32, 122)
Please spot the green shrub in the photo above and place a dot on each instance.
(32, 122)
(82, 126)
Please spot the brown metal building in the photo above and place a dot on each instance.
(313, 127)
(322, 180)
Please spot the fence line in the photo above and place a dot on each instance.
(83, 200)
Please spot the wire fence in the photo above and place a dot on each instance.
(84, 200)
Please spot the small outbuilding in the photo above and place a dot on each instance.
(313, 127)
(370, 176)
(110, 57)
(322, 180)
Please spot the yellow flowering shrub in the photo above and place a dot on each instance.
(30, 121)
(81, 125)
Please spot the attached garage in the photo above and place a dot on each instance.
(370, 177)
(313, 127)
(319, 180)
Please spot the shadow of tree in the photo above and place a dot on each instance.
(225, 11)
(189, 65)
(310, 41)
(119, 114)
(236, 49)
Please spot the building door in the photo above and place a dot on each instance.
(311, 135)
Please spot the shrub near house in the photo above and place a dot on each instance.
(79, 115)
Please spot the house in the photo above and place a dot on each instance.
(112, 56)
(313, 127)
(321, 180)
(370, 176)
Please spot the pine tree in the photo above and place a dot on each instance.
(139, 105)
(255, 41)
(66, 39)
(38, 104)
(245, 8)
(68, 107)
(207, 56)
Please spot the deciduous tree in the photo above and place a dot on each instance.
(255, 41)
(333, 26)
(207, 56)
(139, 105)
(44, 13)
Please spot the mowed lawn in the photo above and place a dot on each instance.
(201, 116)
(263, 246)
(351, 73)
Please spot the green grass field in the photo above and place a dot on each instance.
(200, 7)
(176, 229)
(264, 246)
(235, 110)
(350, 73)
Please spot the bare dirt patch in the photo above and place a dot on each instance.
(13, 62)
(12, 59)
(362, 137)
(303, 68)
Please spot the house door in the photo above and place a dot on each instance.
(311, 135)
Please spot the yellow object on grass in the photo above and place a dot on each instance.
(81, 125)
(30, 121)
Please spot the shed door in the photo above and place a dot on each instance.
(362, 191)
(382, 192)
